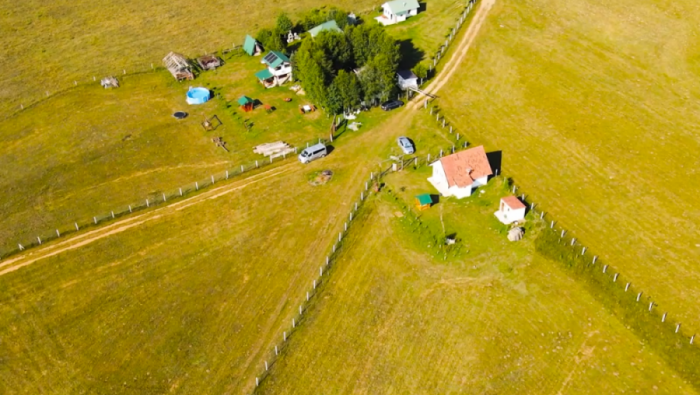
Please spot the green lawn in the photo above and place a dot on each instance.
(92, 150)
(592, 106)
(494, 318)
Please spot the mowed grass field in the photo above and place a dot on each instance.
(48, 46)
(594, 106)
(92, 151)
(190, 301)
(89, 151)
(499, 319)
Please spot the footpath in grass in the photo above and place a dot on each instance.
(584, 100)
(189, 302)
(493, 318)
(93, 151)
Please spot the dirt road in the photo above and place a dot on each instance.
(461, 51)
(83, 239)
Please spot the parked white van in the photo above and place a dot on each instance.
(312, 153)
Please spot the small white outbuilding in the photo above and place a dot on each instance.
(398, 11)
(510, 210)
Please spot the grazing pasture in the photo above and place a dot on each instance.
(592, 105)
(495, 318)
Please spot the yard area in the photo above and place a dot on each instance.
(494, 318)
(92, 150)
(590, 104)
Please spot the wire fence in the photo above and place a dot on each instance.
(149, 201)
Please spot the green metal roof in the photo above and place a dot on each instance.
(244, 100)
(274, 59)
(249, 45)
(424, 199)
(331, 26)
(402, 6)
(264, 74)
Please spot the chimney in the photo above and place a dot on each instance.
(469, 170)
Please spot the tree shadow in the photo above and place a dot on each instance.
(410, 55)
(495, 160)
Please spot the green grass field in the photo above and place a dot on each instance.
(89, 151)
(49, 46)
(591, 104)
(494, 319)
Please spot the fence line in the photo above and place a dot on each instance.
(324, 267)
(591, 268)
(153, 199)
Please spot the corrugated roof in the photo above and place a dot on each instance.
(274, 59)
(462, 168)
(245, 100)
(402, 6)
(513, 202)
(424, 199)
(331, 25)
(249, 45)
(406, 75)
(264, 74)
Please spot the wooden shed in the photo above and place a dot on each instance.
(178, 66)
(208, 62)
(424, 201)
(246, 103)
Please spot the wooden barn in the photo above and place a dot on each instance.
(178, 66)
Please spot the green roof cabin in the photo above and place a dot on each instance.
(279, 70)
(246, 103)
(424, 201)
(251, 47)
(398, 11)
(330, 26)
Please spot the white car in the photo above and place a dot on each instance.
(406, 145)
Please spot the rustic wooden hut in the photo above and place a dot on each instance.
(246, 103)
(178, 66)
(208, 62)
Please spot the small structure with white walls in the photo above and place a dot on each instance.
(510, 210)
(398, 11)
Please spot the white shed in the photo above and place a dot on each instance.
(398, 11)
(407, 80)
(510, 210)
(460, 173)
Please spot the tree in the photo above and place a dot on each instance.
(420, 71)
(336, 47)
(347, 89)
(271, 40)
(284, 24)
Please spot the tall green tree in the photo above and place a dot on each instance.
(271, 40)
(348, 89)
(284, 24)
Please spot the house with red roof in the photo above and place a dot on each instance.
(510, 210)
(461, 173)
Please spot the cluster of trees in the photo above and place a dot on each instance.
(326, 67)
(275, 39)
